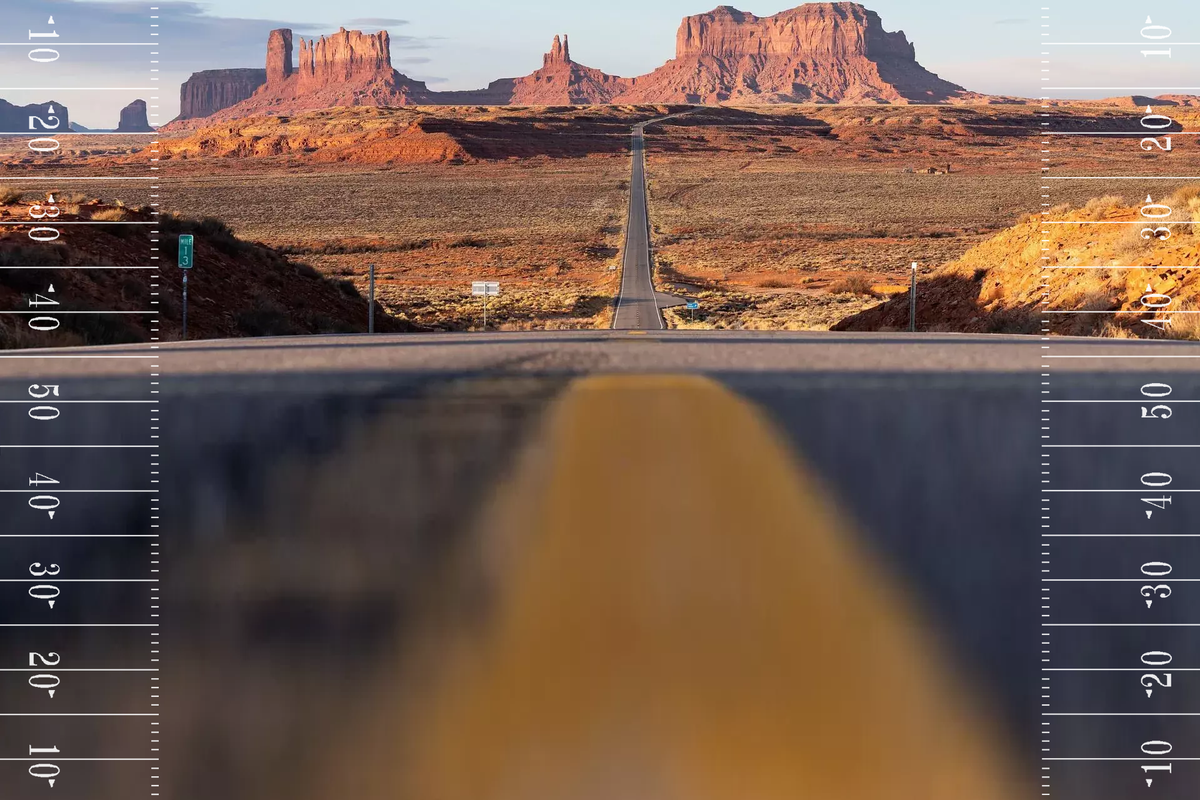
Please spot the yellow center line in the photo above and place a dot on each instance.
(679, 613)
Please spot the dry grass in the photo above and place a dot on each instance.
(1185, 326)
(853, 284)
(1113, 331)
(733, 200)
(767, 209)
(115, 214)
(69, 197)
(1146, 282)
(549, 232)
(1100, 207)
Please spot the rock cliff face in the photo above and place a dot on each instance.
(15, 119)
(279, 56)
(818, 52)
(562, 82)
(347, 68)
(345, 57)
(133, 118)
(210, 91)
(560, 53)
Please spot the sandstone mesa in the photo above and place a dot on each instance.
(15, 119)
(133, 118)
(817, 52)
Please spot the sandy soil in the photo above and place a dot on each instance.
(777, 217)
(784, 217)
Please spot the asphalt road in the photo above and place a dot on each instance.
(320, 496)
(639, 306)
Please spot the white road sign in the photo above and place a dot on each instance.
(485, 288)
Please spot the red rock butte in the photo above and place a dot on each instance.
(817, 52)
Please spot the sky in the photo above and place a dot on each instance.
(464, 44)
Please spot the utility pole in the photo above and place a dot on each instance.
(371, 304)
(912, 301)
(185, 305)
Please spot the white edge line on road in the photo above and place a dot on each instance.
(658, 315)
(624, 247)
(628, 217)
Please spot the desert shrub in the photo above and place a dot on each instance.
(348, 248)
(852, 284)
(469, 241)
(265, 317)
(1185, 206)
(1183, 326)
(323, 324)
(24, 280)
(218, 234)
(100, 329)
(1015, 321)
(74, 198)
(15, 335)
(211, 230)
(348, 288)
(1098, 300)
(772, 283)
(1184, 195)
(1111, 330)
(1098, 207)
(1131, 245)
(45, 255)
(133, 288)
(307, 271)
(117, 214)
(9, 196)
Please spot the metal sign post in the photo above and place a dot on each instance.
(692, 306)
(912, 301)
(484, 290)
(184, 306)
(186, 260)
(371, 304)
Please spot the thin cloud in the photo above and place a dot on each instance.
(382, 22)
(192, 40)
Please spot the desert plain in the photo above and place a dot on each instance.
(781, 217)
(772, 217)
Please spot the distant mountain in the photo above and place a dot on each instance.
(75, 126)
(34, 119)
(817, 52)
(133, 118)
(210, 91)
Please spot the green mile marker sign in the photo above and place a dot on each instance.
(187, 251)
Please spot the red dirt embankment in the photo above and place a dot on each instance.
(998, 286)
(237, 288)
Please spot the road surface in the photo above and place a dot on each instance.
(639, 306)
(330, 501)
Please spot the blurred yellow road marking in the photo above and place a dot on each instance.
(680, 614)
(637, 333)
